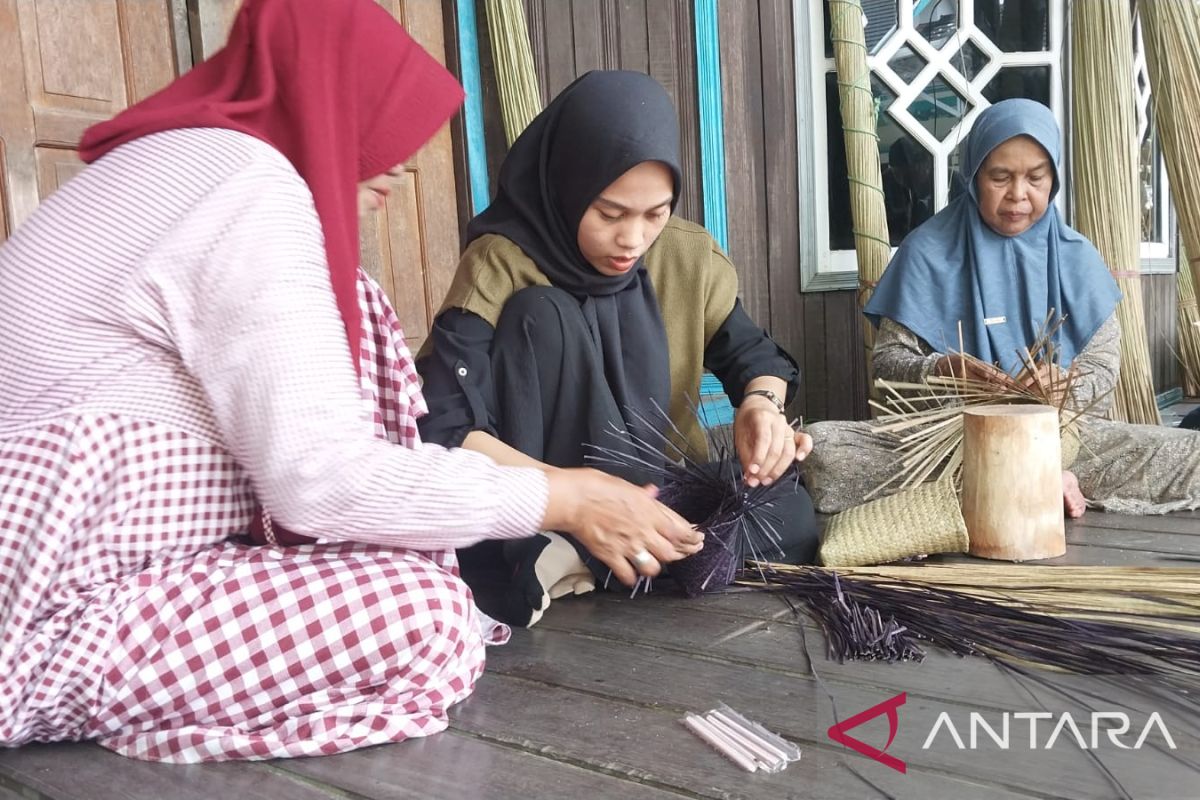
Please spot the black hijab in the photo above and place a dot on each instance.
(599, 127)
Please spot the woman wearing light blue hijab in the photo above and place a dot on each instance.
(998, 260)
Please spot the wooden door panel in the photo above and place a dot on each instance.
(147, 46)
(72, 55)
(19, 178)
(411, 245)
(55, 166)
(421, 215)
(95, 57)
(3, 195)
(408, 264)
(67, 66)
(374, 255)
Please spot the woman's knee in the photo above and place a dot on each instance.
(544, 308)
(436, 601)
(795, 522)
(541, 336)
(413, 613)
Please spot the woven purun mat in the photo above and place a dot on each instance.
(922, 520)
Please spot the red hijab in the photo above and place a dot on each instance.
(337, 86)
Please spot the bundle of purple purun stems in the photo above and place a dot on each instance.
(712, 496)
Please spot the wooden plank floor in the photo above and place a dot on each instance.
(588, 702)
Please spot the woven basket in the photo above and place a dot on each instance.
(1070, 445)
(918, 521)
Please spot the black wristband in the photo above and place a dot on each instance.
(767, 393)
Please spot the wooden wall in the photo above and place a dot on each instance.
(1160, 298)
(571, 37)
(652, 36)
(823, 330)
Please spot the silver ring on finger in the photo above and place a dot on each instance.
(642, 557)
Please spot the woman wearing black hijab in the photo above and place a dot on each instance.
(582, 307)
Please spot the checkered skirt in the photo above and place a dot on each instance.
(128, 614)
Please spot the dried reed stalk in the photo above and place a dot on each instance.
(1189, 329)
(1155, 597)
(1140, 623)
(1105, 182)
(1171, 37)
(926, 418)
(871, 242)
(516, 78)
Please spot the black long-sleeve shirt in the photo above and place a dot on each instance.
(458, 377)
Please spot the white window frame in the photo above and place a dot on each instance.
(1158, 257)
(826, 270)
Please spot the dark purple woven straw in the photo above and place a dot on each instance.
(736, 520)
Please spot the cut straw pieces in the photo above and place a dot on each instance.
(747, 744)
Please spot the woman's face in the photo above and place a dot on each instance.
(1014, 186)
(624, 220)
(373, 192)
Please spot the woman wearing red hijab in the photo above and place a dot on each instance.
(187, 348)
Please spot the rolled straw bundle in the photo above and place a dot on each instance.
(1105, 170)
(1189, 330)
(520, 98)
(1171, 37)
(871, 242)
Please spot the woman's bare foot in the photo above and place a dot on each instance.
(1074, 503)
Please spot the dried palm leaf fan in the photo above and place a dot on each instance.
(1171, 38)
(520, 98)
(1105, 183)
(1189, 328)
(927, 421)
(857, 105)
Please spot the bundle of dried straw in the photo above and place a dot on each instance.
(1171, 36)
(1189, 330)
(867, 207)
(1105, 182)
(520, 98)
(1141, 624)
(926, 418)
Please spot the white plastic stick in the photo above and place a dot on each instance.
(764, 752)
(790, 750)
(705, 730)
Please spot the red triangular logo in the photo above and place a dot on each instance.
(839, 735)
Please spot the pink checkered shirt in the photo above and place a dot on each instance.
(170, 356)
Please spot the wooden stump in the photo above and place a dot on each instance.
(1012, 482)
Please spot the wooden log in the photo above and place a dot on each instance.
(1012, 482)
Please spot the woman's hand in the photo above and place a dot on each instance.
(619, 523)
(766, 444)
(958, 367)
(1048, 383)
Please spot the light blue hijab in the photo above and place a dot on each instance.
(954, 267)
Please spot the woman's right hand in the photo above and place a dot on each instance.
(958, 367)
(618, 522)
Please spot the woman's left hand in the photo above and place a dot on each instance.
(766, 444)
(1049, 383)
